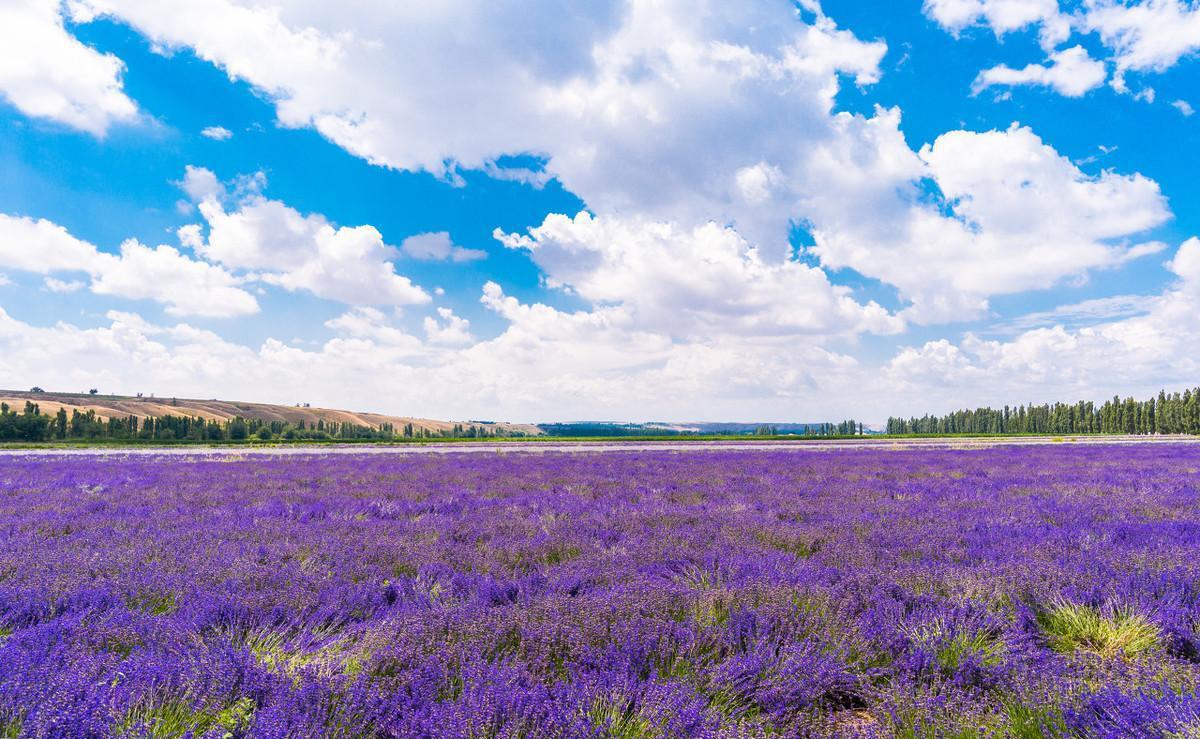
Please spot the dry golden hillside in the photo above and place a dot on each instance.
(119, 406)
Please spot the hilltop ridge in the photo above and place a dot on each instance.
(123, 406)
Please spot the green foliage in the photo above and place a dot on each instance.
(10, 727)
(238, 431)
(952, 648)
(731, 703)
(801, 547)
(987, 647)
(559, 553)
(28, 425)
(1015, 720)
(176, 718)
(31, 425)
(1033, 722)
(154, 603)
(1166, 414)
(618, 718)
(1071, 627)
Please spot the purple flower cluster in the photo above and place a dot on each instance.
(1011, 591)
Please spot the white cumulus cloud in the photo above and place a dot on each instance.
(186, 286)
(43, 247)
(1071, 72)
(163, 274)
(217, 133)
(63, 286)
(438, 246)
(1135, 354)
(698, 137)
(349, 264)
(1139, 35)
(47, 73)
(652, 113)
(448, 328)
(695, 282)
(1020, 217)
(1152, 35)
(650, 85)
(1002, 16)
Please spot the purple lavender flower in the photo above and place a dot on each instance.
(1029, 591)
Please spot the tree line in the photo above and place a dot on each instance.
(1168, 413)
(845, 428)
(30, 424)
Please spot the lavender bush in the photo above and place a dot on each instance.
(1005, 592)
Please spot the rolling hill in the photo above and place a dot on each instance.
(122, 406)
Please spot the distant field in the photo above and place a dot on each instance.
(1048, 589)
(543, 444)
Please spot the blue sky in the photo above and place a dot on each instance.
(636, 211)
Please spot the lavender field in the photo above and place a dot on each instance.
(1011, 591)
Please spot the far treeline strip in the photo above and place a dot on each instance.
(1167, 414)
(31, 425)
